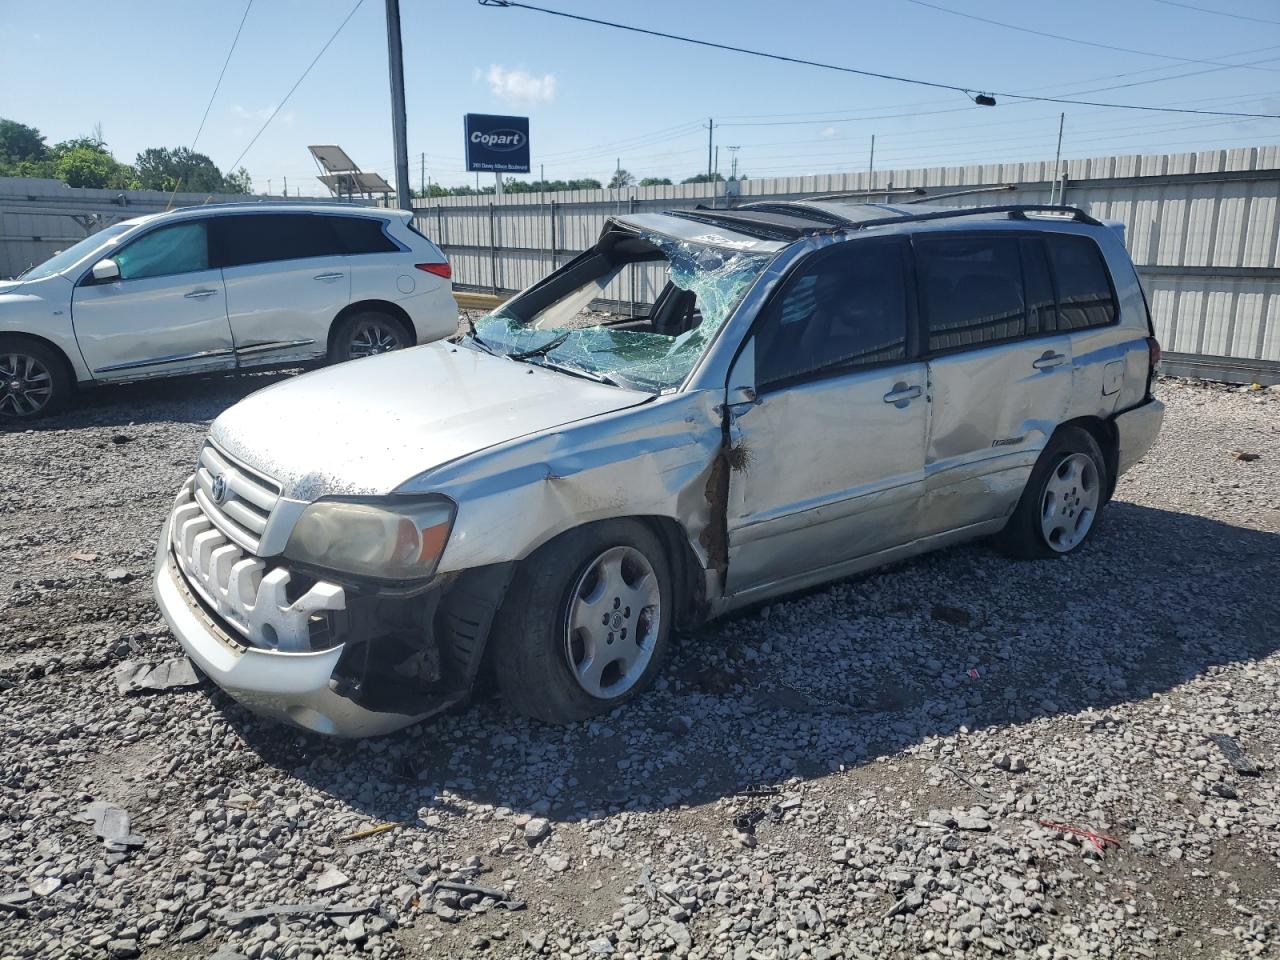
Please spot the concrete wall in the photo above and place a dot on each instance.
(1203, 229)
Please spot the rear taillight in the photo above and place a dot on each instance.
(1153, 351)
(440, 269)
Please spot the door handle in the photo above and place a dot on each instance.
(902, 394)
(200, 294)
(1050, 359)
(328, 276)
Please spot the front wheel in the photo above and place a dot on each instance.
(585, 624)
(367, 334)
(1063, 499)
(34, 381)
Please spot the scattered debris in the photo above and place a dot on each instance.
(1239, 760)
(111, 823)
(1245, 456)
(956, 616)
(372, 831)
(1099, 840)
(500, 897)
(967, 780)
(84, 557)
(331, 879)
(178, 673)
(318, 908)
(1011, 764)
(118, 575)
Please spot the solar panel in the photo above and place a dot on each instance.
(333, 158)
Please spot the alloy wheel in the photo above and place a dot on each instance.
(372, 337)
(613, 621)
(25, 385)
(1070, 503)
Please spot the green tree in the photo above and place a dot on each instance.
(704, 178)
(161, 168)
(20, 143)
(621, 178)
(85, 167)
(656, 182)
(238, 182)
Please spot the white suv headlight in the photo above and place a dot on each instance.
(385, 539)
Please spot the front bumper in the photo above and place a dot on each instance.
(295, 687)
(1136, 432)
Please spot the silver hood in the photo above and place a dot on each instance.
(368, 426)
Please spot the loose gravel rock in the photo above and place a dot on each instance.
(957, 755)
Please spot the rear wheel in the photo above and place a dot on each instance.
(34, 380)
(1063, 499)
(367, 334)
(585, 624)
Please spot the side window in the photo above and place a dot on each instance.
(970, 289)
(1084, 290)
(361, 235)
(843, 308)
(1041, 308)
(180, 248)
(266, 237)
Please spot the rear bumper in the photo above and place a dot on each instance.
(296, 688)
(1136, 432)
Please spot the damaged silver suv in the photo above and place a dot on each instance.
(818, 388)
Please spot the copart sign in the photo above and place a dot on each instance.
(500, 144)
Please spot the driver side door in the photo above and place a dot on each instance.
(165, 314)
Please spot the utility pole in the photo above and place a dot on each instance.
(395, 61)
(268, 186)
(711, 126)
(733, 170)
(871, 164)
(422, 177)
(1057, 161)
(286, 188)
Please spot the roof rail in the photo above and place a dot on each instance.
(760, 227)
(1017, 211)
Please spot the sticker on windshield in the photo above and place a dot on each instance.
(717, 240)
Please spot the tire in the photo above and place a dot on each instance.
(1063, 500)
(34, 380)
(365, 334)
(543, 660)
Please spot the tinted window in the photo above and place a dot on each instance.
(361, 235)
(181, 248)
(971, 289)
(1038, 287)
(843, 308)
(263, 237)
(1084, 292)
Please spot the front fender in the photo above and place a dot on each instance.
(43, 309)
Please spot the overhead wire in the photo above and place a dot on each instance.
(297, 83)
(221, 73)
(1216, 13)
(968, 90)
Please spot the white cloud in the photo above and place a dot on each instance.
(260, 115)
(520, 86)
(827, 133)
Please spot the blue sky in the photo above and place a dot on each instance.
(144, 69)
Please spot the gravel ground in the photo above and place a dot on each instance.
(861, 771)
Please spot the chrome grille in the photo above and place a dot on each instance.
(246, 504)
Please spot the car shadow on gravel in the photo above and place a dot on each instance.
(188, 399)
(839, 676)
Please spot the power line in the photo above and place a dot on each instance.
(1065, 39)
(281, 104)
(966, 90)
(222, 73)
(1216, 13)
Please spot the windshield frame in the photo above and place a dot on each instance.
(108, 236)
(624, 375)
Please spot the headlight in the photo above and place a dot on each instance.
(382, 539)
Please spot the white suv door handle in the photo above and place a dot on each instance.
(200, 294)
(1050, 359)
(901, 393)
(327, 276)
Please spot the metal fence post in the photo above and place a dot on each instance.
(493, 252)
(631, 270)
(555, 250)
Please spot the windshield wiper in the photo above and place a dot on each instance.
(583, 372)
(543, 350)
(471, 332)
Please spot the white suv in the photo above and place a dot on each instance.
(219, 288)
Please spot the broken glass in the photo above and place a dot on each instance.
(569, 334)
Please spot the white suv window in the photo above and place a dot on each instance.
(180, 248)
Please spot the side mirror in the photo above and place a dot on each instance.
(105, 270)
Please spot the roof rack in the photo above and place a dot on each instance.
(787, 217)
(1016, 211)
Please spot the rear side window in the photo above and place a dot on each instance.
(1041, 308)
(267, 237)
(843, 309)
(361, 235)
(1084, 288)
(971, 290)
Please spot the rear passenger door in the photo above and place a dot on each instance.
(1000, 373)
(286, 279)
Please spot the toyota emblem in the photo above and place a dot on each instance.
(218, 490)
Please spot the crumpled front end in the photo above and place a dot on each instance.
(347, 658)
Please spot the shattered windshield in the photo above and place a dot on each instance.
(573, 321)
